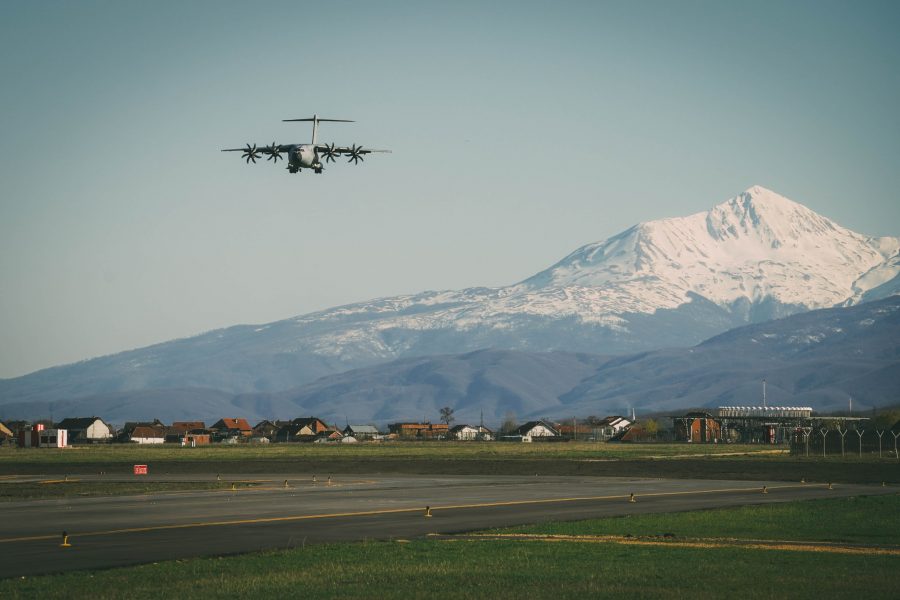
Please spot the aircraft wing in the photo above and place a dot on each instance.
(261, 148)
(346, 149)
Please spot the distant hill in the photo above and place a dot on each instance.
(667, 283)
(818, 358)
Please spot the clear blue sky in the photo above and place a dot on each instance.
(520, 131)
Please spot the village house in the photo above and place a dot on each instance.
(576, 431)
(231, 430)
(531, 431)
(419, 431)
(86, 430)
(143, 434)
(361, 432)
(470, 432)
(267, 429)
(188, 433)
(610, 427)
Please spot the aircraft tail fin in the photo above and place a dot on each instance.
(315, 121)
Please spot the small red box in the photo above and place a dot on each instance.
(140, 469)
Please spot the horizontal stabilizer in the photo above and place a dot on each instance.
(320, 120)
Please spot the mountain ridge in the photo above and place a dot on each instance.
(673, 282)
(818, 358)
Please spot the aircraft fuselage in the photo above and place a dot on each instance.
(303, 156)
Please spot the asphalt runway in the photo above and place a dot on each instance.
(113, 531)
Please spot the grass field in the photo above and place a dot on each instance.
(709, 461)
(127, 453)
(511, 568)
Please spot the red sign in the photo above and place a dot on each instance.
(140, 469)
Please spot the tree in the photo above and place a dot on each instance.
(510, 423)
(447, 415)
(651, 427)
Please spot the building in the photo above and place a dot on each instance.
(267, 429)
(419, 431)
(231, 430)
(310, 425)
(533, 430)
(361, 432)
(39, 437)
(763, 424)
(470, 433)
(697, 427)
(86, 430)
(610, 427)
(574, 431)
(185, 426)
(145, 434)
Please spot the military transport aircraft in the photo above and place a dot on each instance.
(305, 156)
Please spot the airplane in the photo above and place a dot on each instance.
(305, 156)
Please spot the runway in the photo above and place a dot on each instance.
(113, 531)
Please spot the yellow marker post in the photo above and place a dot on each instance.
(803, 480)
(427, 511)
(631, 498)
(65, 541)
(830, 487)
(765, 490)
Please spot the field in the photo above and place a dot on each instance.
(469, 567)
(465, 458)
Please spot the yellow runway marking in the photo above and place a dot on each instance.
(417, 509)
(689, 543)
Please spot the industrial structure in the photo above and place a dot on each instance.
(757, 424)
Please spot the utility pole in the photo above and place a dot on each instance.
(764, 393)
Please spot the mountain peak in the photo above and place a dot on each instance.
(757, 246)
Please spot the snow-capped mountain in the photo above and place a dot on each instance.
(667, 283)
(755, 257)
(756, 247)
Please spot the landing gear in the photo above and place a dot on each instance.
(318, 171)
(293, 169)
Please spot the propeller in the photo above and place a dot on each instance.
(355, 154)
(330, 153)
(273, 151)
(251, 154)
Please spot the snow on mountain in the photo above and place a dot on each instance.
(667, 283)
(758, 245)
(757, 249)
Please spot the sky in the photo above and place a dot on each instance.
(520, 131)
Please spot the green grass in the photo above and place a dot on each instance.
(425, 569)
(515, 569)
(869, 519)
(13, 490)
(106, 453)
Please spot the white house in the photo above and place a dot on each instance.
(147, 435)
(535, 429)
(86, 429)
(610, 427)
(470, 432)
